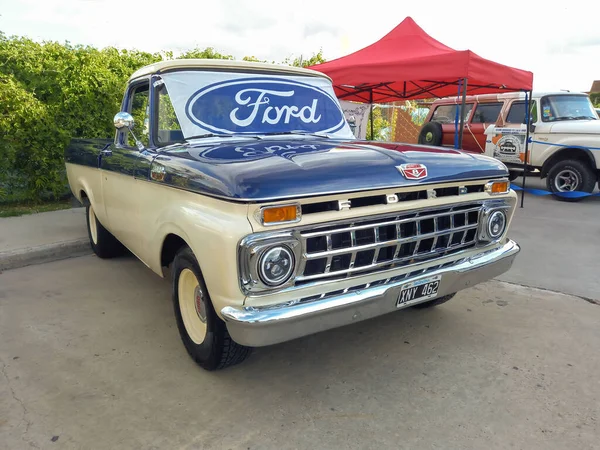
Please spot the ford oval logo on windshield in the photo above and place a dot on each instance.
(264, 105)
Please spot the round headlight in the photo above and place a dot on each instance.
(276, 265)
(496, 224)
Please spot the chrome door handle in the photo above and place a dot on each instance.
(106, 152)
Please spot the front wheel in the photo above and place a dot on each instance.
(570, 175)
(204, 335)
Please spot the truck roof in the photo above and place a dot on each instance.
(498, 97)
(207, 64)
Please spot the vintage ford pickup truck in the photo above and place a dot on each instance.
(245, 180)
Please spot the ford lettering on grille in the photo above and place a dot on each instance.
(253, 105)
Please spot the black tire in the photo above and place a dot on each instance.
(216, 350)
(583, 178)
(434, 302)
(103, 243)
(514, 174)
(431, 134)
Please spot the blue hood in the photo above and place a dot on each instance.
(299, 167)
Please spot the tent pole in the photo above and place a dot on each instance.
(528, 98)
(456, 118)
(371, 113)
(462, 113)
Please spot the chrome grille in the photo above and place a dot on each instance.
(367, 245)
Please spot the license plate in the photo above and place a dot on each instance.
(422, 289)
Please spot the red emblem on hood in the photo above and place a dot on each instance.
(413, 171)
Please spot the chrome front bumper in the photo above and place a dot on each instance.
(259, 326)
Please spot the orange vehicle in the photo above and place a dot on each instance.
(481, 111)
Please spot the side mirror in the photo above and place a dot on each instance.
(123, 120)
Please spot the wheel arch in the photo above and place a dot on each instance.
(578, 153)
(172, 243)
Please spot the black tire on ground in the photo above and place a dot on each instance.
(514, 174)
(431, 134)
(207, 341)
(103, 243)
(434, 302)
(570, 175)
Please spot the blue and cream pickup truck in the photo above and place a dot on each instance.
(245, 181)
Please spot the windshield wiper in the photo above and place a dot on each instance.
(296, 132)
(574, 118)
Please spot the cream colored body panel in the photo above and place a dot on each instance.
(213, 228)
(88, 181)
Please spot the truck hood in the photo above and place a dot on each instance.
(268, 169)
(576, 127)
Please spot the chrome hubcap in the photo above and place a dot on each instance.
(566, 180)
(200, 308)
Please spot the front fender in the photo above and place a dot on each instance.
(545, 151)
(212, 228)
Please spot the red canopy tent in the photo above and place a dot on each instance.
(407, 63)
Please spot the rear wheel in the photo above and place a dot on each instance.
(204, 335)
(570, 175)
(434, 302)
(103, 243)
(431, 134)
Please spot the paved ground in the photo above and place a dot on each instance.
(560, 244)
(92, 359)
(42, 229)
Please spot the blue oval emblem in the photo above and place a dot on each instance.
(264, 105)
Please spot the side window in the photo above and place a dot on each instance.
(139, 108)
(447, 113)
(516, 113)
(487, 113)
(169, 129)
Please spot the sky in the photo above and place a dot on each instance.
(558, 41)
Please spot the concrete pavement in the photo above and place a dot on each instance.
(91, 359)
(43, 237)
(560, 244)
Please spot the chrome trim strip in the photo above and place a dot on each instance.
(439, 252)
(374, 227)
(392, 222)
(380, 244)
(259, 326)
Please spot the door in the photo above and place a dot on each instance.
(516, 119)
(484, 115)
(446, 116)
(119, 168)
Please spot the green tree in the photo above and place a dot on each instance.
(381, 126)
(51, 92)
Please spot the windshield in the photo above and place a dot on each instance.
(213, 104)
(567, 107)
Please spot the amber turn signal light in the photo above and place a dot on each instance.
(273, 215)
(497, 187)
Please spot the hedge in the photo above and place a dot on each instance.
(52, 92)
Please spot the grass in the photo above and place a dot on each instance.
(20, 209)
